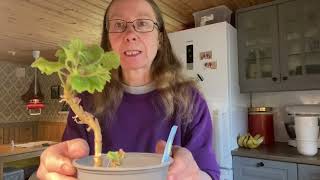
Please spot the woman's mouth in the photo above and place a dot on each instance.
(132, 53)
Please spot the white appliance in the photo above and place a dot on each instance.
(209, 53)
(306, 111)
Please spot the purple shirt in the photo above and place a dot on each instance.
(139, 124)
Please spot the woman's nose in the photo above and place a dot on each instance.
(131, 37)
(130, 34)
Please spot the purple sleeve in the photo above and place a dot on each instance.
(74, 130)
(199, 138)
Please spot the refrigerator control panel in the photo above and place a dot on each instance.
(189, 51)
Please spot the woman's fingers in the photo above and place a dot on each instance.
(58, 158)
(183, 167)
(160, 146)
(56, 176)
(41, 172)
(58, 163)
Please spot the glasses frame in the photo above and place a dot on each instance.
(132, 22)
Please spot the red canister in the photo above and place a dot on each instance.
(260, 121)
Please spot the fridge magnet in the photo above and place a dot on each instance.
(211, 64)
(55, 92)
(207, 55)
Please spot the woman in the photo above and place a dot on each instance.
(145, 98)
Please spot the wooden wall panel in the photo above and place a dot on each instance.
(19, 132)
(23, 132)
(5, 135)
(1, 135)
(26, 134)
(51, 131)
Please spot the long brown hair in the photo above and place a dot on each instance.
(166, 71)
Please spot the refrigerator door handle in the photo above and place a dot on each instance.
(200, 77)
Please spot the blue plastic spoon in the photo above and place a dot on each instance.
(167, 149)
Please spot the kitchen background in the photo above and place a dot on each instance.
(286, 55)
(15, 80)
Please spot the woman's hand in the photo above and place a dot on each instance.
(56, 160)
(184, 167)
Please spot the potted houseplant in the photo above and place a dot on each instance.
(81, 68)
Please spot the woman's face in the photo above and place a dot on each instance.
(137, 50)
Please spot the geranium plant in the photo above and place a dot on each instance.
(81, 68)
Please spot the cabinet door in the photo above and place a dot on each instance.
(307, 172)
(258, 49)
(299, 26)
(259, 169)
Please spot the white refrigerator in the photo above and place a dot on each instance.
(209, 54)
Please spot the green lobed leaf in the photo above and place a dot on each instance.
(110, 60)
(113, 155)
(47, 67)
(91, 84)
(92, 54)
(88, 66)
(70, 56)
(76, 45)
(61, 55)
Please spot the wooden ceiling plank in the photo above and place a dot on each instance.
(197, 5)
(103, 4)
(26, 11)
(46, 30)
(26, 25)
(165, 9)
(179, 7)
(87, 8)
(170, 28)
(34, 24)
(70, 12)
(173, 22)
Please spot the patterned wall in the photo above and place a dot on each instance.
(12, 86)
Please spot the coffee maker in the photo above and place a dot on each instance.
(302, 111)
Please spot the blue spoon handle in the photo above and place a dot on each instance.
(167, 149)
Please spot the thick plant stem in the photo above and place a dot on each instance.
(83, 117)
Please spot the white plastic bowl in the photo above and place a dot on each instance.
(135, 166)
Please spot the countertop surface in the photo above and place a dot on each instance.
(278, 152)
(8, 150)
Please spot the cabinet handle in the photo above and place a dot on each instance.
(274, 79)
(284, 78)
(260, 164)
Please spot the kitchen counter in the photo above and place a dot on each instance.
(10, 154)
(278, 152)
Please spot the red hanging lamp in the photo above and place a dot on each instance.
(33, 97)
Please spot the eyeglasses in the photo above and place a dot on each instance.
(139, 25)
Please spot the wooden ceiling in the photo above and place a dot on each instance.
(27, 25)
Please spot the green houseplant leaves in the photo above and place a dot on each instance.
(84, 68)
